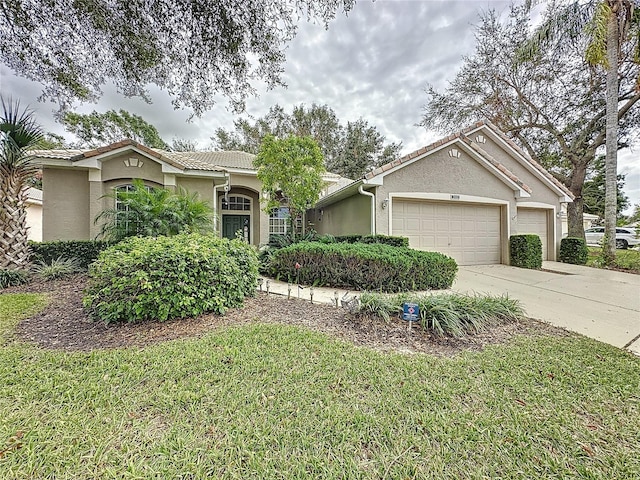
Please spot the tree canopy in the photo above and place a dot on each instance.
(99, 129)
(290, 170)
(194, 49)
(349, 149)
(552, 103)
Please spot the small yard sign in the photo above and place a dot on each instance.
(410, 312)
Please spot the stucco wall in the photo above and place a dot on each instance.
(203, 186)
(65, 204)
(440, 173)
(114, 169)
(34, 221)
(350, 216)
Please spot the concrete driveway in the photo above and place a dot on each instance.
(600, 304)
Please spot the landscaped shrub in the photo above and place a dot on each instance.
(363, 266)
(143, 278)
(384, 239)
(574, 250)
(526, 251)
(86, 251)
(10, 278)
(58, 268)
(447, 314)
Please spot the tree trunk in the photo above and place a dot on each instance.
(14, 247)
(611, 159)
(575, 209)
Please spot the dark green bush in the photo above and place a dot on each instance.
(86, 251)
(383, 239)
(526, 251)
(363, 266)
(170, 277)
(574, 250)
(10, 278)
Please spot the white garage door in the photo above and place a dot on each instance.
(534, 220)
(469, 233)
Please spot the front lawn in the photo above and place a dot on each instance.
(282, 401)
(626, 260)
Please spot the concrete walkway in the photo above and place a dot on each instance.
(600, 304)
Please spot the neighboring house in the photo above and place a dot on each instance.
(588, 220)
(75, 183)
(34, 214)
(463, 195)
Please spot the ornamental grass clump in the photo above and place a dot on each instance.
(60, 267)
(144, 278)
(447, 314)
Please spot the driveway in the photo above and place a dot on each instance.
(600, 304)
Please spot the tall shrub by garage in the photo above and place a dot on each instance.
(574, 250)
(363, 266)
(526, 251)
(146, 278)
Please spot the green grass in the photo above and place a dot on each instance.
(625, 259)
(270, 401)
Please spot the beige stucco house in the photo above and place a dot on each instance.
(463, 195)
(75, 183)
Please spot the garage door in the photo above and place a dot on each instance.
(534, 220)
(469, 233)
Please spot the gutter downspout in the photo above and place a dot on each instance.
(215, 202)
(361, 191)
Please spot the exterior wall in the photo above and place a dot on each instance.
(203, 186)
(350, 216)
(541, 196)
(34, 221)
(66, 205)
(115, 169)
(441, 174)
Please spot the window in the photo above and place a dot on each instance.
(236, 203)
(279, 221)
(122, 219)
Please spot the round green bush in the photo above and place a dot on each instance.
(363, 266)
(145, 278)
(574, 250)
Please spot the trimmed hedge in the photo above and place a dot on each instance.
(574, 250)
(526, 251)
(363, 266)
(86, 251)
(144, 278)
(383, 239)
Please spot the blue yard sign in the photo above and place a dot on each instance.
(410, 312)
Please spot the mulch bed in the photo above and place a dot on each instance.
(65, 325)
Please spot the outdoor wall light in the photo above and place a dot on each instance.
(385, 203)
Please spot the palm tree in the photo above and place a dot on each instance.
(150, 212)
(18, 133)
(612, 25)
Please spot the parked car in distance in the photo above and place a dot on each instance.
(625, 236)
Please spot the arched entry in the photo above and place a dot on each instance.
(236, 216)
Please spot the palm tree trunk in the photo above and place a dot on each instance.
(611, 165)
(13, 224)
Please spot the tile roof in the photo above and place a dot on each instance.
(461, 135)
(206, 161)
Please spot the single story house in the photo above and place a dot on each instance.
(463, 195)
(75, 183)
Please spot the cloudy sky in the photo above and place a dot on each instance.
(373, 64)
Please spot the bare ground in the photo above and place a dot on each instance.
(65, 325)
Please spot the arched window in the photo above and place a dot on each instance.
(122, 207)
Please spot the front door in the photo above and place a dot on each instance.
(232, 223)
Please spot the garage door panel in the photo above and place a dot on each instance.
(468, 233)
(534, 221)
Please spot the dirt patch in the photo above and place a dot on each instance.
(65, 325)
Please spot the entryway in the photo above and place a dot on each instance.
(232, 223)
